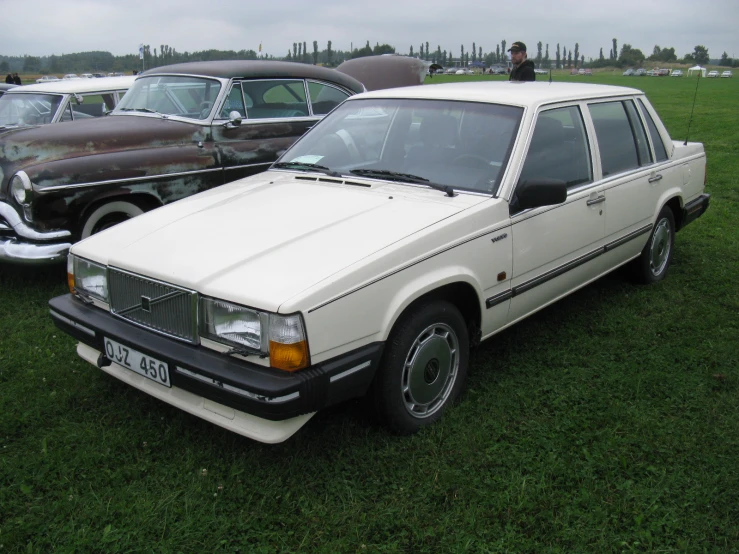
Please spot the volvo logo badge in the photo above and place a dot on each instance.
(146, 304)
(499, 237)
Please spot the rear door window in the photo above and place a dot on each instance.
(621, 137)
(275, 99)
(324, 98)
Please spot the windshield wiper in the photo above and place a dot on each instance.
(304, 166)
(397, 176)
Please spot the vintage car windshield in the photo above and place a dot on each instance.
(464, 145)
(190, 97)
(18, 110)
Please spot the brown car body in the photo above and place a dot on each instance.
(76, 178)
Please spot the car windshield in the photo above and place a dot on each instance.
(20, 109)
(190, 97)
(462, 145)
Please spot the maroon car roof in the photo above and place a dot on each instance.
(253, 69)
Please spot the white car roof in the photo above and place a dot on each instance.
(524, 94)
(71, 86)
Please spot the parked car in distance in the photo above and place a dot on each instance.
(98, 75)
(498, 70)
(463, 71)
(727, 74)
(71, 76)
(712, 74)
(47, 79)
(663, 72)
(540, 71)
(651, 73)
(573, 71)
(115, 74)
(86, 76)
(629, 72)
(405, 227)
(676, 73)
(641, 72)
(179, 130)
(61, 100)
(588, 72)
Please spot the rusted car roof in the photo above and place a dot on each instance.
(233, 69)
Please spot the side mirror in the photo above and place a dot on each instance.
(534, 193)
(78, 98)
(234, 120)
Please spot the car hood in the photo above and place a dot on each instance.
(262, 240)
(21, 148)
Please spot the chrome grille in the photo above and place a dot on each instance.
(159, 306)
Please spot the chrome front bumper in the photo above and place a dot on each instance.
(20, 244)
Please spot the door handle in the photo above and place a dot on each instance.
(597, 200)
(655, 178)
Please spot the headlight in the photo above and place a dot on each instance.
(282, 338)
(236, 325)
(21, 189)
(87, 277)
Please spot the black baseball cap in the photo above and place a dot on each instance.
(517, 46)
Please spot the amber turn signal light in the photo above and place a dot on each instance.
(288, 357)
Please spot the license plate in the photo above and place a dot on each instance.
(144, 365)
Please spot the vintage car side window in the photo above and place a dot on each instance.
(616, 141)
(659, 146)
(559, 148)
(324, 98)
(276, 99)
(93, 105)
(182, 96)
(234, 102)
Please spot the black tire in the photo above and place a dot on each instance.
(423, 368)
(652, 265)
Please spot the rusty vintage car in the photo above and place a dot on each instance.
(181, 129)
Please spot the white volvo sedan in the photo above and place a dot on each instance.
(404, 228)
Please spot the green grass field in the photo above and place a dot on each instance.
(608, 422)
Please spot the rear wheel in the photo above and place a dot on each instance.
(655, 259)
(423, 369)
(108, 215)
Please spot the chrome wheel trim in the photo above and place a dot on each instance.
(659, 247)
(430, 370)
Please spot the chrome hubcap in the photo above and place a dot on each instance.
(430, 370)
(659, 249)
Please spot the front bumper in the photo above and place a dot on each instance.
(21, 244)
(209, 376)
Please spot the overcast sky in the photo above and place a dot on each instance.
(45, 27)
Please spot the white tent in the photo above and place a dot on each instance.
(697, 68)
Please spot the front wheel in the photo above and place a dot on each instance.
(423, 369)
(655, 259)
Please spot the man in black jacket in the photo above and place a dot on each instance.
(523, 69)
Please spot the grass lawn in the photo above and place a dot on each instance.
(608, 422)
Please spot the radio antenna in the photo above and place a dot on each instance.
(550, 75)
(693, 108)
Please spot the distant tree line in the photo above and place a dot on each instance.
(564, 57)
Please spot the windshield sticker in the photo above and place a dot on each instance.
(308, 159)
